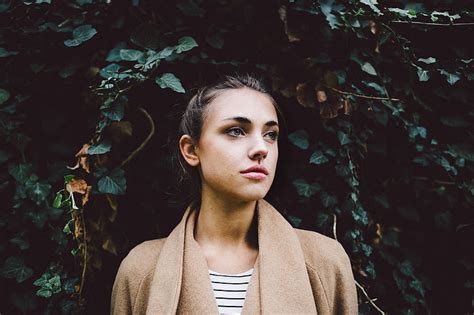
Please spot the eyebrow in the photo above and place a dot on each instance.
(245, 120)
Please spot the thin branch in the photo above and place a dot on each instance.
(442, 182)
(368, 298)
(84, 264)
(365, 96)
(432, 24)
(152, 131)
(371, 301)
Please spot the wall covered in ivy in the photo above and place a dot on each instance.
(378, 151)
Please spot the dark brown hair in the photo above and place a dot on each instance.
(195, 113)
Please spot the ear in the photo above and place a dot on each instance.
(188, 150)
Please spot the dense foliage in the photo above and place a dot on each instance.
(379, 150)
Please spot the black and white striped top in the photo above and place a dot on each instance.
(230, 290)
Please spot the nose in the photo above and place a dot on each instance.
(259, 150)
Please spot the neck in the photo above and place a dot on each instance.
(225, 223)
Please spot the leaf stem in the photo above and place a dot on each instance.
(432, 24)
(142, 145)
(365, 96)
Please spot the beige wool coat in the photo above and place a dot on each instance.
(296, 271)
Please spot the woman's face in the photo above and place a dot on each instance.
(239, 131)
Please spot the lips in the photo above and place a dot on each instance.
(256, 169)
(256, 172)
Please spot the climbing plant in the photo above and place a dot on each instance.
(378, 151)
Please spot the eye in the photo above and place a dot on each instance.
(235, 132)
(272, 134)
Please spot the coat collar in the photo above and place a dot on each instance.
(279, 284)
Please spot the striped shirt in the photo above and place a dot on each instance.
(230, 290)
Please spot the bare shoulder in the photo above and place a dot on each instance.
(321, 251)
(142, 258)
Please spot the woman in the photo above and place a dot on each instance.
(233, 252)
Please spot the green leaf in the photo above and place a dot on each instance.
(110, 71)
(428, 60)
(343, 138)
(373, 5)
(403, 13)
(68, 178)
(423, 75)
(57, 200)
(462, 150)
(327, 7)
(305, 189)
(49, 283)
(14, 268)
(4, 96)
(116, 110)
(168, 80)
(185, 44)
(20, 241)
(114, 53)
(113, 183)
(452, 78)
(295, 221)
(368, 68)
(318, 158)
(38, 217)
(328, 200)
(81, 34)
(21, 172)
(100, 148)
(299, 138)
(130, 54)
(406, 268)
(38, 191)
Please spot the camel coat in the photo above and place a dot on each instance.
(296, 271)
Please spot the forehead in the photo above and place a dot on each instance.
(243, 102)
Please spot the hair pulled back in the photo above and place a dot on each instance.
(194, 116)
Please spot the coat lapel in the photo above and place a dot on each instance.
(284, 281)
(279, 284)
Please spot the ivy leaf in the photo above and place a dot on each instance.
(462, 150)
(318, 158)
(452, 78)
(114, 54)
(110, 71)
(21, 172)
(343, 138)
(49, 283)
(372, 4)
(113, 183)
(299, 138)
(406, 268)
(368, 68)
(130, 54)
(305, 189)
(428, 60)
(20, 241)
(99, 148)
(169, 80)
(326, 7)
(423, 75)
(115, 110)
(328, 200)
(4, 96)
(38, 191)
(185, 44)
(80, 34)
(14, 268)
